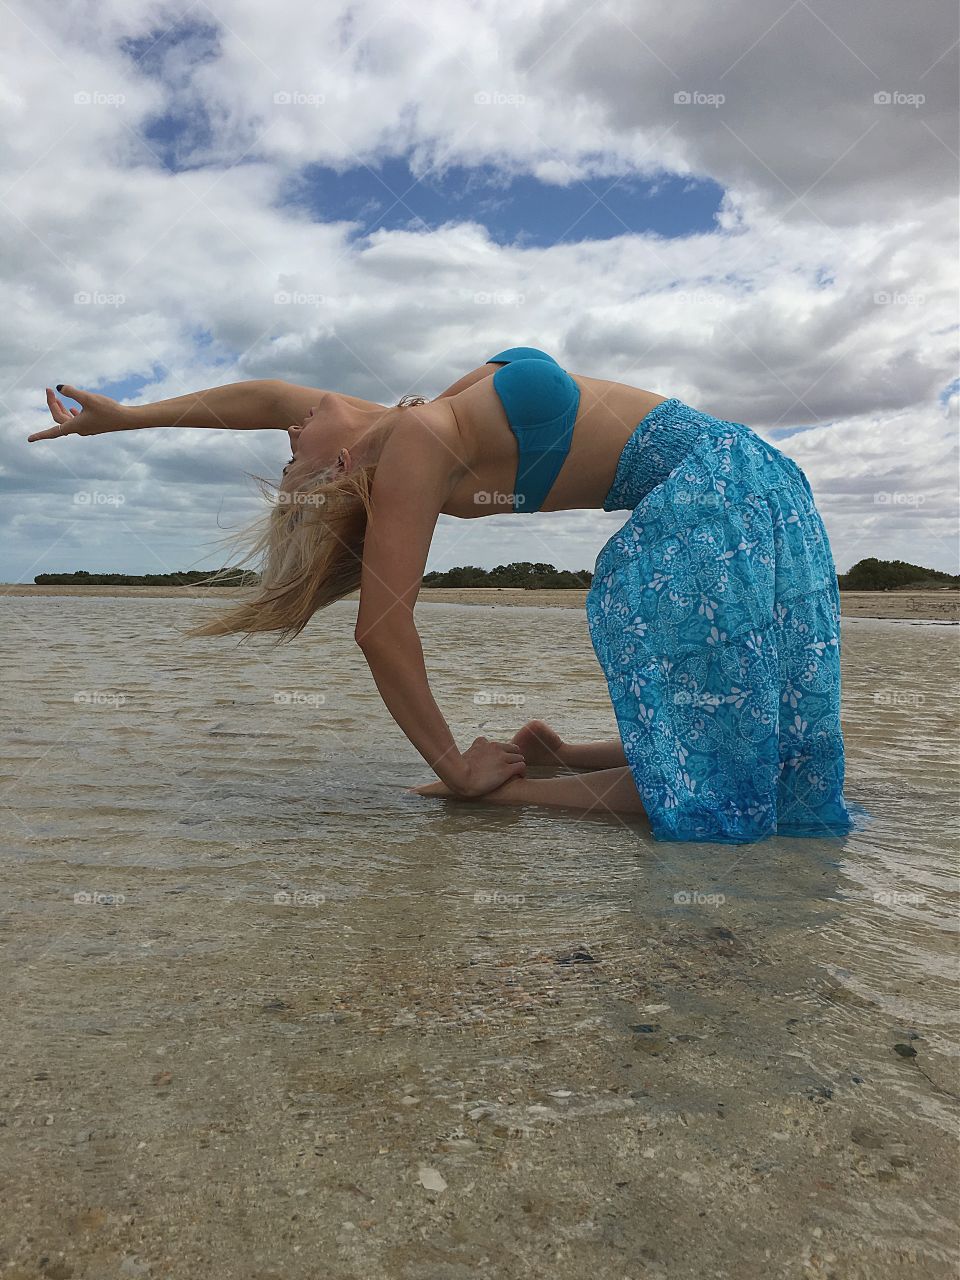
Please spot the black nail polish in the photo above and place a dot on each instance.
(59, 386)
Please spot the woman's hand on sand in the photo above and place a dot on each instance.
(485, 765)
(488, 765)
(539, 744)
(96, 415)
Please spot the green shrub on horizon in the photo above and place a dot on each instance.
(187, 578)
(886, 575)
(866, 575)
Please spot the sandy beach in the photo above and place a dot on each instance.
(914, 606)
(271, 1017)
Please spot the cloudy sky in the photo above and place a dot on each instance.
(750, 206)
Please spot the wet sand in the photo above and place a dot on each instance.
(918, 606)
(302, 1025)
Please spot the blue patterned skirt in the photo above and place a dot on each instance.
(715, 615)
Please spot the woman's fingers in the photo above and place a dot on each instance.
(74, 393)
(62, 417)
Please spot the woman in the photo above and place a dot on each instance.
(714, 611)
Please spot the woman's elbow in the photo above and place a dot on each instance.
(379, 637)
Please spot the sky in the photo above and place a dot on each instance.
(750, 206)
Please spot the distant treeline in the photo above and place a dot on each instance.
(866, 575)
(887, 575)
(188, 578)
(521, 574)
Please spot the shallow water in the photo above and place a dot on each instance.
(291, 994)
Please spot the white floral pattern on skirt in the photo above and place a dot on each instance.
(715, 615)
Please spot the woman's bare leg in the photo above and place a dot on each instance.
(539, 744)
(610, 789)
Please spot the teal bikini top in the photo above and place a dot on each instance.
(540, 400)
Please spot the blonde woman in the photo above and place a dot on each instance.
(714, 611)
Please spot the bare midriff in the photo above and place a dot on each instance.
(608, 415)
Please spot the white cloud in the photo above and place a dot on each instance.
(735, 321)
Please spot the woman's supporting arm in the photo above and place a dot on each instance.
(413, 478)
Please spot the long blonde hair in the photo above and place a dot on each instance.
(309, 548)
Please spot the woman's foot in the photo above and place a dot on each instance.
(432, 789)
(539, 744)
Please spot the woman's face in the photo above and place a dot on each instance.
(323, 437)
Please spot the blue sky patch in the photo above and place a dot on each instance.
(518, 209)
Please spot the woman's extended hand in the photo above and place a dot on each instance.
(488, 765)
(96, 415)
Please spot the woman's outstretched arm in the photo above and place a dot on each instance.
(261, 404)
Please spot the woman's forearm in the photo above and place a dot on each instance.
(238, 406)
(400, 674)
